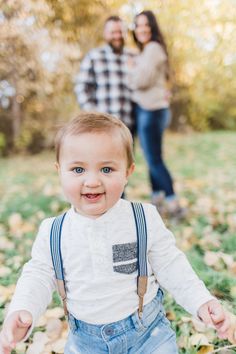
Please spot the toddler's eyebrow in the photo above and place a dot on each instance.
(75, 163)
(108, 162)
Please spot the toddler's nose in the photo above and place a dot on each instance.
(92, 181)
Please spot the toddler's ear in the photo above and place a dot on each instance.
(130, 170)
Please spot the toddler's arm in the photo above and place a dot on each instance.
(14, 329)
(213, 313)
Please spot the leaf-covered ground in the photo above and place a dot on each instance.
(204, 170)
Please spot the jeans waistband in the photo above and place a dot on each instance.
(151, 310)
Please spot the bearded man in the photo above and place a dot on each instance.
(101, 84)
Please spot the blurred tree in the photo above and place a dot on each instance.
(42, 42)
(201, 41)
(33, 62)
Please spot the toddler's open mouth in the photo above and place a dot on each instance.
(92, 196)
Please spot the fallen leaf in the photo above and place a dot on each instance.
(206, 349)
(4, 271)
(198, 339)
(58, 346)
(54, 328)
(56, 312)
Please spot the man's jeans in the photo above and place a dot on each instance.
(151, 334)
(150, 128)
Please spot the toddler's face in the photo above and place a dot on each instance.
(93, 171)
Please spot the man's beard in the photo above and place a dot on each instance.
(116, 49)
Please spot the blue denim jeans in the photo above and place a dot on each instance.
(151, 334)
(150, 128)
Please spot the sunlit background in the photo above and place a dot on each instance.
(42, 42)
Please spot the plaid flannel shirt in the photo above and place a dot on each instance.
(101, 84)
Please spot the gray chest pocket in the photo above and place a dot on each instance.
(125, 258)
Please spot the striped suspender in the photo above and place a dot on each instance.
(141, 230)
(55, 246)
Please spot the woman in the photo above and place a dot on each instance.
(148, 78)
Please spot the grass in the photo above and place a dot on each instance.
(203, 166)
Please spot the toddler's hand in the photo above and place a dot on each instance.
(213, 313)
(14, 330)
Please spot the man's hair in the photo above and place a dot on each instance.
(113, 18)
(89, 122)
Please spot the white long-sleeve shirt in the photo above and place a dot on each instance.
(100, 266)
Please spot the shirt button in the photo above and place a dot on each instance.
(109, 331)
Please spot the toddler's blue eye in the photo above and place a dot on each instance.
(106, 170)
(78, 169)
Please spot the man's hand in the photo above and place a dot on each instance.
(213, 313)
(14, 330)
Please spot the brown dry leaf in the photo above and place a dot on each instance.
(233, 291)
(233, 268)
(198, 339)
(6, 292)
(206, 349)
(42, 321)
(5, 244)
(58, 346)
(183, 341)
(218, 259)
(231, 221)
(56, 312)
(18, 226)
(21, 347)
(212, 258)
(228, 259)
(171, 315)
(49, 190)
(186, 319)
(198, 325)
(54, 328)
(47, 349)
(4, 271)
(15, 222)
(209, 240)
(41, 338)
(35, 348)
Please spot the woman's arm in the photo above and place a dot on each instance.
(143, 73)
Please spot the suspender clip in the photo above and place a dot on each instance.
(142, 289)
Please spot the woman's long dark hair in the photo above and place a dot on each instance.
(156, 34)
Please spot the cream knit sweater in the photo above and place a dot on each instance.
(147, 78)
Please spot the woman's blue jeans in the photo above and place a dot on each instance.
(150, 128)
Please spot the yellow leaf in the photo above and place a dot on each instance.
(58, 346)
(57, 312)
(4, 271)
(198, 325)
(233, 291)
(206, 349)
(54, 328)
(233, 268)
(198, 339)
(171, 315)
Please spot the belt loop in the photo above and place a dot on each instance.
(72, 322)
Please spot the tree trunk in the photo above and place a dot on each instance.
(16, 119)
